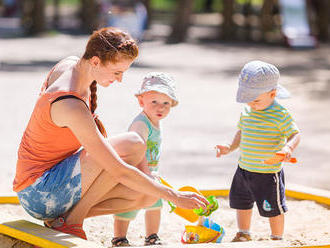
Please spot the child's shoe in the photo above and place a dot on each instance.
(241, 237)
(152, 239)
(120, 241)
(275, 237)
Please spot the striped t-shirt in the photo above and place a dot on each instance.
(263, 133)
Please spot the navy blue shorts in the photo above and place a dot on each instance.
(266, 189)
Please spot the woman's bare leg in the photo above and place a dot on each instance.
(97, 184)
(129, 146)
(121, 199)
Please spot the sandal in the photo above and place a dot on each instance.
(152, 239)
(74, 229)
(273, 237)
(241, 237)
(120, 241)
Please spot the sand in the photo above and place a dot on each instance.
(306, 223)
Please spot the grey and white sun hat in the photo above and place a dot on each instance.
(258, 77)
(160, 82)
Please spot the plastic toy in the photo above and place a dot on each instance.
(277, 158)
(192, 215)
(210, 208)
(201, 234)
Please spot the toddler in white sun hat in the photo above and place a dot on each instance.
(156, 97)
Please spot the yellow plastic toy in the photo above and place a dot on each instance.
(187, 214)
(191, 215)
(201, 234)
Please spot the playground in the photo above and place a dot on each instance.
(207, 115)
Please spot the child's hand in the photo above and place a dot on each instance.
(287, 151)
(222, 149)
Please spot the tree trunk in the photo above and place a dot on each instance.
(89, 14)
(267, 18)
(322, 18)
(147, 4)
(208, 6)
(228, 24)
(56, 16)
(181, 21)
(33, 16)
(247, 11)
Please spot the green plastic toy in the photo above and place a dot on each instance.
(214, 205)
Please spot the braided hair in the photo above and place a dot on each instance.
(109, 45)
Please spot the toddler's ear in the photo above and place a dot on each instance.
(273, 93)
(140, 99)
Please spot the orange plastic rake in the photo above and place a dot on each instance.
(279, 157)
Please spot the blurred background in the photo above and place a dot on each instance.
(268, 21)
(203, 44)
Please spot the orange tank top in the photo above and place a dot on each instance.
(43, 144)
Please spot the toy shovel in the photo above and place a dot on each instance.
(277, 158)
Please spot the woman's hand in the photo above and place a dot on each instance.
(189, 200)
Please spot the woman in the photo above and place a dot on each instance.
(66, 169)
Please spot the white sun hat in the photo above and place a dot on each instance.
(258, 77)
(160, 82)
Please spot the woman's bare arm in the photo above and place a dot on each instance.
(72, 113)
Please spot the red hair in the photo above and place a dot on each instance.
(109, 45)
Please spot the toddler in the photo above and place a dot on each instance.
(156, 97)
(265, 128)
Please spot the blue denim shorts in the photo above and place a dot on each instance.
(55, 192)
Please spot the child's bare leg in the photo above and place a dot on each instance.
(120, 227)
(243, 223)
(152, 221)
(244, 219)
(277, 226)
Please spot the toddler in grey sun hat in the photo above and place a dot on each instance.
(160, 82)
(258, 77)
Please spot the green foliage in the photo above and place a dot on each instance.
(65, 2)
(170, 5)
(253, 2)
(163, 5)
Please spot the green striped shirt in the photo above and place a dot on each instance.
(263, 133)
